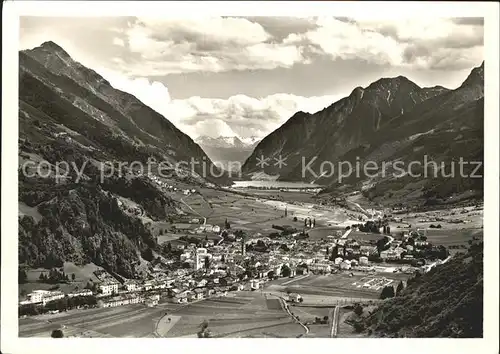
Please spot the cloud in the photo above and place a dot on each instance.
(152, 47)
(472, 21)
(242, 115)
(119, 42)
(238, 115)
(203, 44)
(421, 43)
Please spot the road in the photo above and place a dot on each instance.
(194, 211)
(346, 233)
(364, 211)
(436, 263)
(296, 279)
(335, 322)
(285, 306)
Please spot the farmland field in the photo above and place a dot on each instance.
(452, 237)
(246, 314)
(337, 288)
(123, 321)
(365, 236)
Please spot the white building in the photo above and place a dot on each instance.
(185, 256)
(201, 255)
(52, 296)
(131, 286)
(216, 228)
(108, 288)
(37, 296)
(83, 292)
(44, 296)
(254, 284)
(323, 267)
(363, 261)
(345, 265)
(294, 297)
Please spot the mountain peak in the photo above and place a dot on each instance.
(392, 81)
(52, 47)
(476, 76)
(225, 141)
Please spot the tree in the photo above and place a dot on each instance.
(358, 309)
(89, 286)
(295, 218)
(285, 270)
(23, 277)
(387, 292)
(57, 333)
(207, 263)
(399, 288)
(335, 252)
(148, 254)
(358, 326)
(73, 277)
(388, 230)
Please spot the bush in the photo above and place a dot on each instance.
(358, 309)
(57, 333)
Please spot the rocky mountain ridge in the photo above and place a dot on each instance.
(391, 119)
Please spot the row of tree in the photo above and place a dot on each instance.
(55, 276)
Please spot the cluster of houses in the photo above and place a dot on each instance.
(128, 299)
(170, 187)
(45, 296)
(216, 270)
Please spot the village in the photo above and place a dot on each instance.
(231, 261)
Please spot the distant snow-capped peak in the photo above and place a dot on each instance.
(226, 141)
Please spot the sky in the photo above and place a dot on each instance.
(245, 76)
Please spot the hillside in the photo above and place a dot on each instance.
(392, 119)
(75, 127)
(57, 88)
(445, 302)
